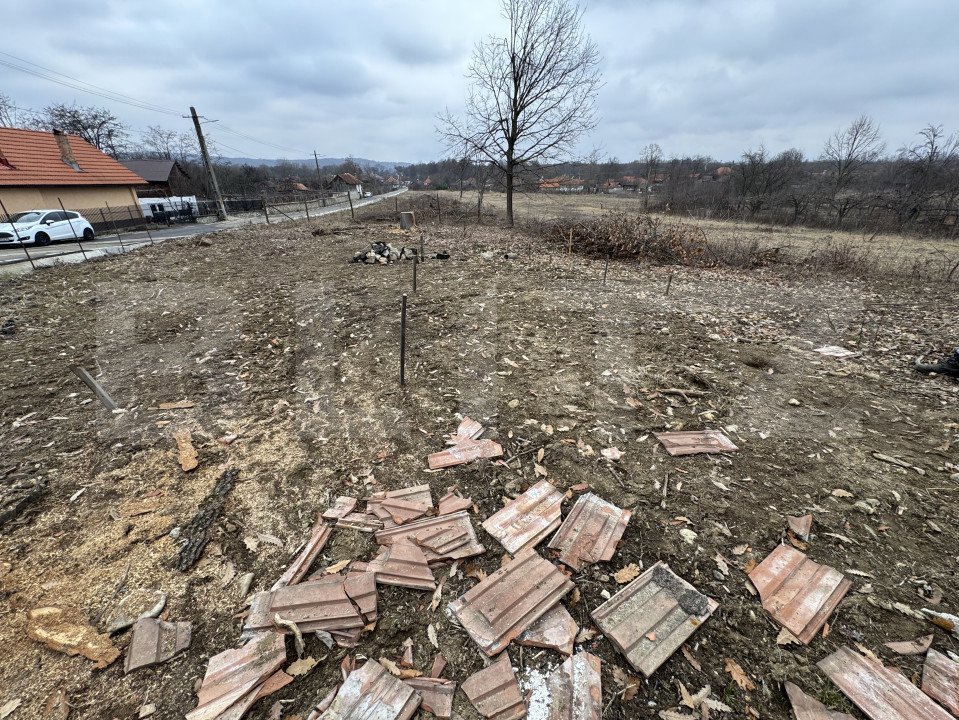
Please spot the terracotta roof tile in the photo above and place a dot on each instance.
(453, 502)
(494, 691)
(799, 593)
(419, 494)
(940, 680)
(300, 565)
(402, 564)
(508, 601)
(155, 641)
(698, 441)
(327, 603)
(881, 693)
(342, 507)
(575, 689)
(463, 452)
(556, 630)
(360, 521)
(525, 521)
(35, 157)
(395, 510)
(651, 617)
(437, 694)
(591, 532)
(447, 537)
(371, 692)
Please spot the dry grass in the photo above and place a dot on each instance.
(744, 244)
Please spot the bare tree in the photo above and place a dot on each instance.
(8, 112)
(652, 157)
(927, 173)
(847, 153)
(762, 181)
(532, 93)
(98, 126)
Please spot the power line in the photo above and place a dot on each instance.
(263, 142)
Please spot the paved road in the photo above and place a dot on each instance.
(15, 258)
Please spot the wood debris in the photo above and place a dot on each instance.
(189, 460)
(67, 630)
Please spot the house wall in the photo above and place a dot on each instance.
(17, 199)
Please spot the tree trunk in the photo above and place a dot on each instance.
(509, 194)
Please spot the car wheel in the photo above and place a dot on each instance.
(41, 238)
(88, 234)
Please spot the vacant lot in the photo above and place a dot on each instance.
(279, 340)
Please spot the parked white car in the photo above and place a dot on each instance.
(42, 227)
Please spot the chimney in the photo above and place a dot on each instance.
(66, 152)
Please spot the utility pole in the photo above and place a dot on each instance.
(220, 208)
(319, 175)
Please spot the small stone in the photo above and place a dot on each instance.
(135, 605)
(794, 401)
(205, 242)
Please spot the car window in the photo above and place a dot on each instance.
(51, 217)
(73, 216)
(26, 217)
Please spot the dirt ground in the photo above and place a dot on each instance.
(278, 339)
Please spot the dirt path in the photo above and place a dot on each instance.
(281, 341)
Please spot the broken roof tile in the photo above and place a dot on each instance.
(881, 693)
(940, 680)
(332, 602)
(806, 707)
(342, 506)
(419, 494)
(911, 647)
(527, 519)
(494, 691)
(507, 602)
(438, 666)
(155, 641)
(649, 619)
(694, 442)
(556, 630)
(301, 564)
(591, 532)
(798, 593)
(402, 564)
(437, 694)
(395, 510)
(801, 525)
(575, 689)
(453, 502)
(447, 537)
(468, 429)
(371, 692)
(463, 452)
(234, 677)
(360, 521)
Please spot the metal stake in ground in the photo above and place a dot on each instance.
(115, 228)
(72, 229)
(422, 246)
(95, 386)
(349, 196)
(403, 343)
(15, 232)
(669, 282)
(606, 269)
(415, 263)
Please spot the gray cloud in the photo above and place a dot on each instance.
(697, 76)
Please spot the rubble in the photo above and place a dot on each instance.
(135, 605)
(67, 630)
(300, 565)
(402, 564)
(437, 694)
(494, 691)
(342, 506)
(453, 502)
(528, 519)
(649, 619)
(371, 692)
(446, 537)
(590, 533)
(508, 601)
(383, 253)
(156, 641)
(332, 602)
(940, 680)
(881, 693)
(556, 630)
(801, 526)
(695, 442)
(364, 522)
(798, 593)
(911, 647)
(466, 446)
(575, 689)
(237, 678)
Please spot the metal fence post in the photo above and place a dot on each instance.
(306, 206)
(73, 229)
(16, 232)
(266, 211)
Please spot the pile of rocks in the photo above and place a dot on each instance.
(383, 252)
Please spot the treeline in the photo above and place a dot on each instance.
(854, 183)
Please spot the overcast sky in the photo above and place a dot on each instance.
(367, 77)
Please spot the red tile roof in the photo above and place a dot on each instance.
(33, 158)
